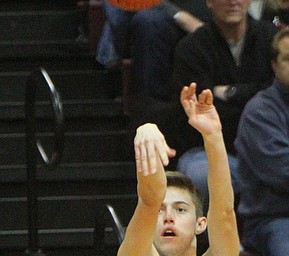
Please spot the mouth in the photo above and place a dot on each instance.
(168, 233)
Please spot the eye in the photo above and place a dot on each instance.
(181, 210)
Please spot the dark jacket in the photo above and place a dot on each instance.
(204, 57)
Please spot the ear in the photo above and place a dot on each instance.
(201, 225)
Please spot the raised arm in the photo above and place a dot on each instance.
(151, 152)
(222, 227)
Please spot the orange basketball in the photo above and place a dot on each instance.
(134, 5)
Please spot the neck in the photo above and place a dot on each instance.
(187, 253)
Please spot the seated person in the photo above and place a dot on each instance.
(262, 144)
(149, 37)
(168, 215)
(230, 55)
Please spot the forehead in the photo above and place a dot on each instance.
(175, 194)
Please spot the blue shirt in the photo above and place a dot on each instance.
(262, 144)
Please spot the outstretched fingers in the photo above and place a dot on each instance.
(151, 150)
(145, 157)
(188, 94)
(206, 97)
(159, 148)
(137, 155)
(191, 94)
(141, 158)
(183, 97)
(151, 158)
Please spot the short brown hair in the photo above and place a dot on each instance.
(282, 33)
(180, 180)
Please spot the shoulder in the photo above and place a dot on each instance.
(264, 109)
(264, 28)
(263, 100)
(259, 100)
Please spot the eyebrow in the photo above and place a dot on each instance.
(178, 202)
(181, 202)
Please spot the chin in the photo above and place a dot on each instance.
(234, 20)
(168, 250)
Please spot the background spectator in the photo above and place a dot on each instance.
(149, 37)
(263, 151)
(231, 56)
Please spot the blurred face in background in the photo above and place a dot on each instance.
(229, 12)
(281, 63)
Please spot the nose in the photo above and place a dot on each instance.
(169, 216)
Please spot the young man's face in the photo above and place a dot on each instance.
(281, 65)
(177, 226)
(229, 12)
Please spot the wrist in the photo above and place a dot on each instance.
(212, 138)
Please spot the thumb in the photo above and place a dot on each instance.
(171, 152)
